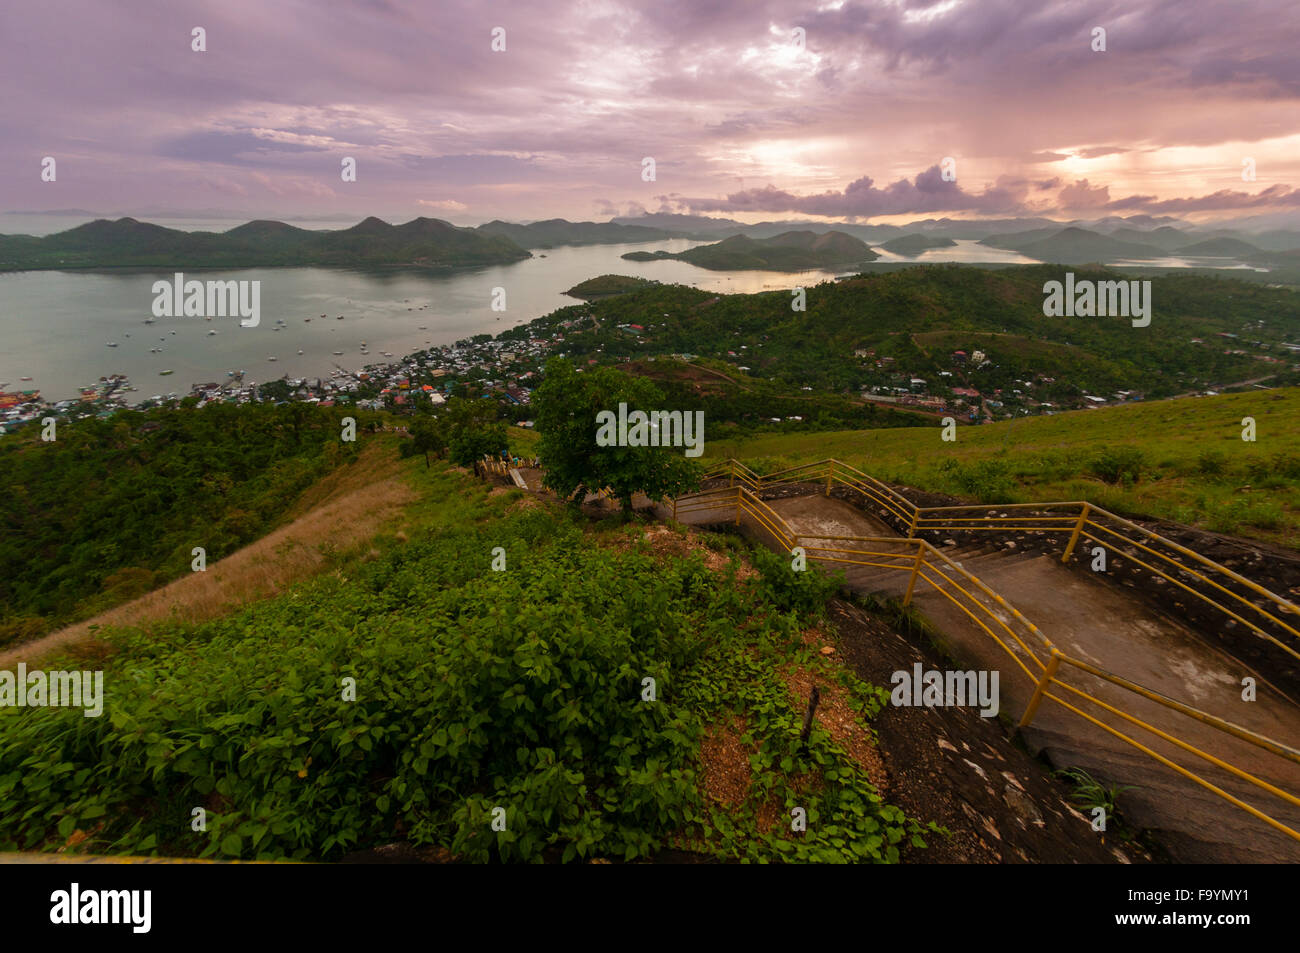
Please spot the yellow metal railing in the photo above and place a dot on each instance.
(1032, 652)
(1268, 615)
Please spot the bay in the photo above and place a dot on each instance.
(56, 325)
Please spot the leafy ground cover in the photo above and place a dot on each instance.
(499, 714)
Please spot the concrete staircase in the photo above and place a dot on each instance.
(1113, 629)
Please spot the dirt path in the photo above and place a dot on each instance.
(343, 509)
(1112, 629)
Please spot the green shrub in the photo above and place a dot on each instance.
(1118, 465)
(803, 591)
(988, 481)
(764, 465)
(1212, 462)
(1280, 466)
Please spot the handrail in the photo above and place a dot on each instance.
(1078, 519)
(928, 564)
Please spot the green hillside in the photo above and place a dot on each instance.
(113, 508)
(887, 317)
(1183, 460)
(417, 695)
(606, 285)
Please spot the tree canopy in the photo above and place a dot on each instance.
(567, 405)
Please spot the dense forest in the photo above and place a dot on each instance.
(113, 507)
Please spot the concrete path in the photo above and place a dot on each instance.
(1097, 622)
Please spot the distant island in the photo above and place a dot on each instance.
(558, 231)
(789, 251)
(427, 243)
(608, 285)
(1221, 248)
(916, 244)
(435, 245)
(1072, 246)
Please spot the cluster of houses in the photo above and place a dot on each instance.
(915, 392)
(101, 399)
(503, 369)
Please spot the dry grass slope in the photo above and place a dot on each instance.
(344, 509)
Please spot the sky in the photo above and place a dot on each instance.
(749, 109)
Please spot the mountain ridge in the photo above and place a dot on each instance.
(127, 242)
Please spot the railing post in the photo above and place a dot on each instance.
(731, 471)
(916, 570)
(911, 529)
(1048, 674)
(830, 470)
(1078, 530)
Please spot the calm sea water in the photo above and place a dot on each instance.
(56, 325)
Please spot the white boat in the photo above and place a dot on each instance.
(112, 344)
(299, 350)
(210, 333)
(270, 359)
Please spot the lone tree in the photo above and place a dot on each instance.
(566, 406)
(430, 435)
(474, 428)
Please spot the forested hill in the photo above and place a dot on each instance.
(421, 242)
(789, 251)
(111, 508)
(918, 316)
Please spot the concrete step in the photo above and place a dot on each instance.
(1092, 619)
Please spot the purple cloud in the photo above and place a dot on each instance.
(712, 90)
